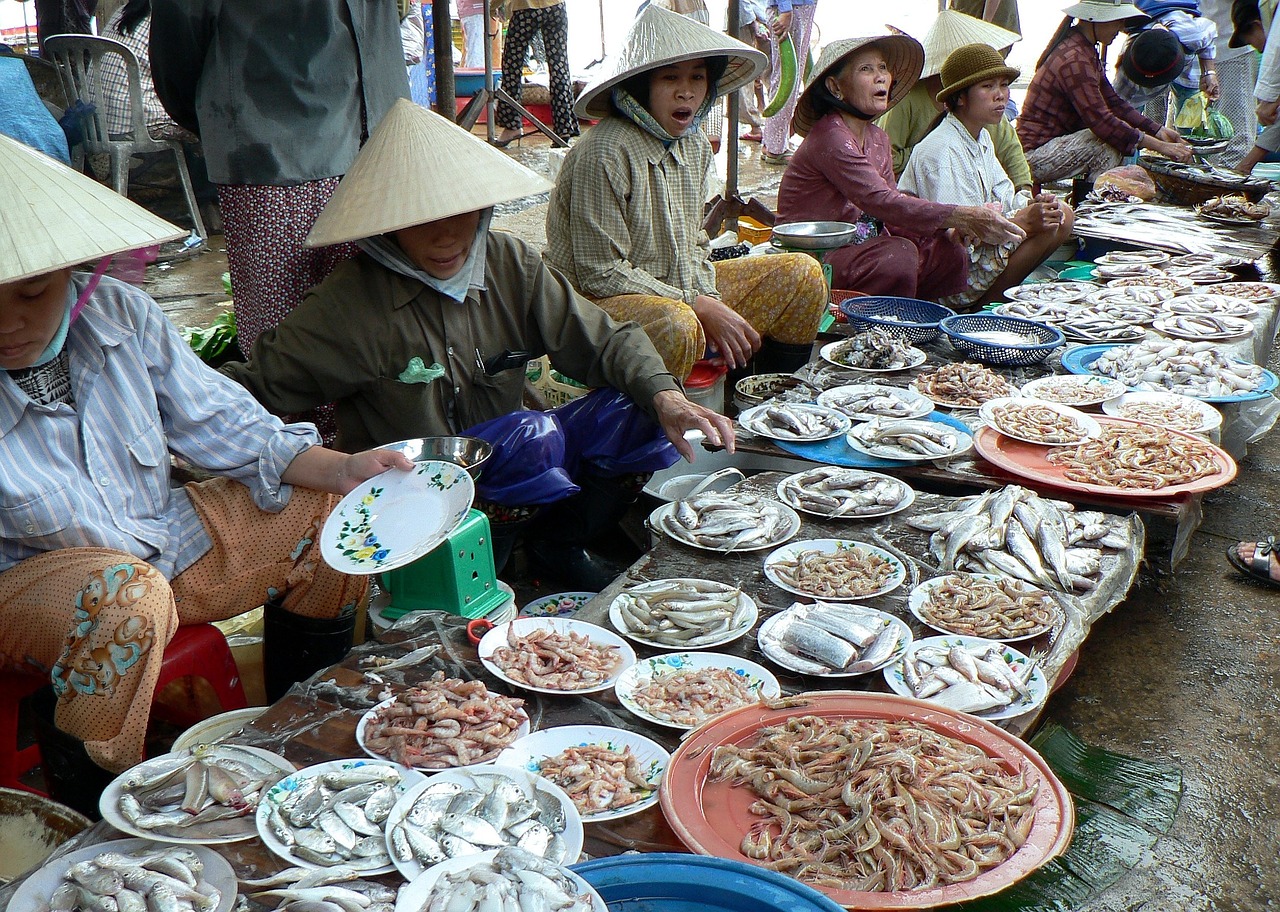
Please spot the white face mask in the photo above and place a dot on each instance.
(387, 252)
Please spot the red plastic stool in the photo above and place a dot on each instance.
(201, 651)
(15, 763)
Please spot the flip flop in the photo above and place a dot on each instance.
(1259, 568)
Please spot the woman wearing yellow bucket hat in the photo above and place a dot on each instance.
(956, 163)
(101, 560)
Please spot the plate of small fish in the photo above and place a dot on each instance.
(1204, 326)
(834, 569)
(685, 689)
(912, 440)
(1196, 369)
(1222, 260)
(1042, 311)
(203, 796)
(983, 605)
(795, 421)
(507, 878)
(874, 351)
(1036, 421)
(833, 640)
(1089, 325)
(1250, 291)
(864, 401)
(1128, 257)
(834, 492)
(1126, 271)
(1219, 305)
(1204, 275)
(1143, 295)
(727, 523)
(334, 814)
(1176, 284)
(962, 384)
(197, 878)
(460, 812)
(555, 655)
(422, 728)
(1057, 292)
(1168, 410)
(1070, 389)
(607, 772)
(683, 613)
(972, 675)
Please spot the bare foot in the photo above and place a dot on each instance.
(1245, 550)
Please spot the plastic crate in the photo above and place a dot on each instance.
(958, 329)
(911, 319)
(457, 577)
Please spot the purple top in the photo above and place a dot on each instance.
(830, 178)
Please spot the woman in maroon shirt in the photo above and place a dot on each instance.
(843, 171)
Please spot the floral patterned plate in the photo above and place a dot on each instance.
(760, 682)
(396, 517)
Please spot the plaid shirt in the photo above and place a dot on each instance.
(1070, 92)
(115, 84)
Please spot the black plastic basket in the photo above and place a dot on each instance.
(958, 331)
(907, 318)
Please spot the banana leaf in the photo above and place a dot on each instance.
(212, 341)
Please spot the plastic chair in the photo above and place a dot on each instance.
(79, 59)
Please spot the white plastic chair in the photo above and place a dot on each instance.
(79, 59)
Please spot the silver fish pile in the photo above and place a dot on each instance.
(1148, 296)
(684, 613)
(450, 819)
(727, 522)
(1204, 275)
(875, 349)
(794, 421)
(864, 401)
(321, 890)
(337, 817)
(512, 880)
(1203, 326)
(1089, 325)
(1014, 532)
(1192, 368)
(1123, 310)
(834, 491)
(1218, 304)
(972, 679)
(208, 792)
(165, 879)
(1041, 311)
(1064, 292)
(827, 638)
(908, 439)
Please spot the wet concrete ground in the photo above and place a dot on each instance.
(1185, 671)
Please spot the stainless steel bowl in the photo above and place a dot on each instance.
(814, 235)
(469, 452)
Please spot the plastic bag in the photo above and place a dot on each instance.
(1199, 116)
(609, 432)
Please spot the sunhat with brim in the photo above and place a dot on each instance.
(970, 65)
(418, 167)
(660, 38)
(952, 30)
(902, 53)
(1244, 13)
(1153, 57)
(1103, 11)
(54, 217)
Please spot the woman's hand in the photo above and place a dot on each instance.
(727, 331)
(1209, 84)
(1176, 148)
(338, 473)
(780, 25)
(978, 224)
(1042, 214)
(678, 415)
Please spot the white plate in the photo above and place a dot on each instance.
(775, 653)
(599, 636)
(658, 520)
(1051, 291)
(1037, 684)
(214, 728)
(921, 595)
(415, 895)
(828, 352)
(530, 751)
(1242, 327)
(919, 405)
(751, 613)
(1250, 291)
(1087, 424)
(964, 443)
(832, 546)
(1129, 257)
(1053, 388)
(32, 895)
(752, 420)
(758, 678)
(1211, 418)
(560, 604)
(278, 792)
(523, 730)
(572, 834)
(786, 489)
(396, 517)
(109, 803)
(1216, 304)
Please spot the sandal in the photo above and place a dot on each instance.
(1259, 567)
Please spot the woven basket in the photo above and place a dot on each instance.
(958, 328)
(1185, 187)
(910, 319)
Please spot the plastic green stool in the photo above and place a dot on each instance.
(457, 577)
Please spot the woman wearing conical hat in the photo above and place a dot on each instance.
(625, 220)
(100, 558)
(843, 171)
(428, 329)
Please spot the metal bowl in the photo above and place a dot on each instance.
(469, 452)
(814, 235)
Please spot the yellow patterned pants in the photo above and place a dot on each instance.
(782, 295)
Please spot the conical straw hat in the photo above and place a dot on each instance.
(53, 217)
(902, 53)
(953, 30)
(418, 167)
(659, 38)
(1103, 11)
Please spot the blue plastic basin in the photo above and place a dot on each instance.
(676, 882)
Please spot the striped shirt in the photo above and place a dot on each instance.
(98, 474)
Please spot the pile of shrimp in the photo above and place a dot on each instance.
(873, 805)
(443, 723)
(846, 573)
(693, 695)
(598, 778)
(1136, 456)
(556, 661)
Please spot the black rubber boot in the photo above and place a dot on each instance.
(70, 777)
(780, 358)
(296, 647)
(556, 543)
